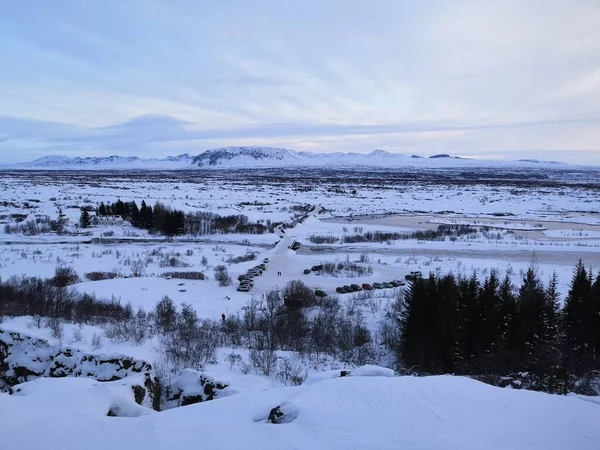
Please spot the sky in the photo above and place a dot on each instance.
(494, 79)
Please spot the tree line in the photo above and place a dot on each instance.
(162, 219)
(469, 326)
(51, 298)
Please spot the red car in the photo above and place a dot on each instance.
(367, 287)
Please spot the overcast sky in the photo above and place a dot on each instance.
(501, 79)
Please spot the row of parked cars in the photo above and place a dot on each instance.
(246, 280)
(347, 289)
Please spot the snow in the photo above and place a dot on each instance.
(380, 413)
(244, 157)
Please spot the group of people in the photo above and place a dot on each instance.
(279, 274)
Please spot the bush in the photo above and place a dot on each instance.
(190, 275)
(192, 344)
(296, 294)
(251, 256)
(264, 361)
(222, 276)
(98, 276)
(65, 276)
(165, 315)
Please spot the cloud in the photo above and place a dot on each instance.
(154, 77)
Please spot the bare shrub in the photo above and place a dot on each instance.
(165, 315)
(37, 321)
(291, 371)
(296, 294)
(264, 361)
(192, 344)
(249, 256)
(98, 276)
(65, 276)
(96, 341)
(56, 327)
(222, 276)
(138, 268)
(77, 334)
(190, 275)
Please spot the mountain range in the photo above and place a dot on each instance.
(267, 157)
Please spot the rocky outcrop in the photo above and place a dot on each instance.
(24, 358)
(195, 387)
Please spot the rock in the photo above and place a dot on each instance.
(285, 413)
(195, 387)
(275, 415)
(24, 358)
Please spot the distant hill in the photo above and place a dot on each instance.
(268, 157)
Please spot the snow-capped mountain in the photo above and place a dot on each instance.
(267, 157)
(246, 156)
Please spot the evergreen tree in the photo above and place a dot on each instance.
(595, 323)
(468, 304)
(102, 209)
(448, 323)
(84, 219)
(508, 325)
(134, 215)
(119, 209)
(533, 321)
(578, 320)
(416, 326)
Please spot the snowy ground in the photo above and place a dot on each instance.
(553, 225)
(355, 412)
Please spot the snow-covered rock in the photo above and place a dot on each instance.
(25, 358)
(196, 387)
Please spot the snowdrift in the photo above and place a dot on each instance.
(352, 412)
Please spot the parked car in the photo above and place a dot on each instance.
(377, 286)
(262, 267)
(320, 293)
(355, 287)
(340, 290)
(244, 277)
(395, 283)
(306, 271)
(266, 260)
(413, 276)
(243, 288)
(367, 287)
(348, 289)
(387, 285)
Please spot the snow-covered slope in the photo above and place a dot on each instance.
(246, 157)
(108, 162)
(355, 412)
(243, 157)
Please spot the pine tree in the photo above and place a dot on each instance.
(448, 324)
(102, 209)
(508, 324)
(595, 323)
(415, 326)
(578, 320)
(533, 321)
(85, 220)
(468, 304)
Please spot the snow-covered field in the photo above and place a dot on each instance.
(552, 225)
